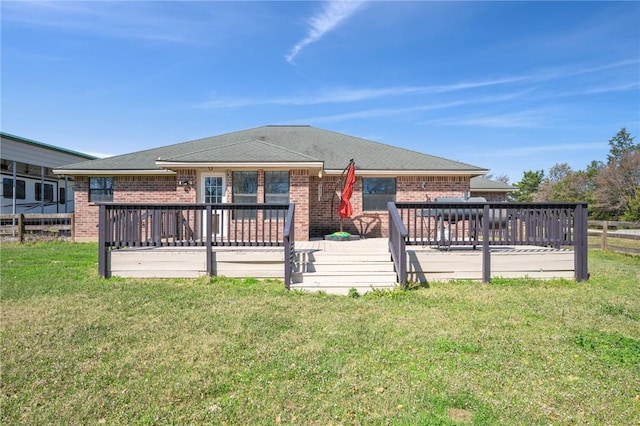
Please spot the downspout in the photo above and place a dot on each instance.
(66, 194)
(42, 189)
(13, 201)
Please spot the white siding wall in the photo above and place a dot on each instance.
(36, 156)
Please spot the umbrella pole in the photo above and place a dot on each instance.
(340, 223)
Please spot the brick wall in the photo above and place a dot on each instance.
(325, 199)
(130, 189)
(316, 199)
(299, 195)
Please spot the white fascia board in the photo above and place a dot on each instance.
(243, 165)
(493, 190)
(154, 172)
(412, 172)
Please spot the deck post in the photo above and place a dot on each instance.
(486, 254)
(102, 241)
(209, 246)
(289, 244)
(581, 249)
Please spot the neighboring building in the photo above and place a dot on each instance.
(28, 182)
(490, 190)
(296, 164)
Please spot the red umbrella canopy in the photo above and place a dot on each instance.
(345, 210)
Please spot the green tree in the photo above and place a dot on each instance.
(562, 184)
(620, 144)
(632, 214)
(616, 183)
(591, 174)
(528, 186)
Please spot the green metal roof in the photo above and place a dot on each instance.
(47, 146)
(281, 144)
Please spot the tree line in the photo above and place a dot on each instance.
(611, 188)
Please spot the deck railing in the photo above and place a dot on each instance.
(446, 224)
(397, 244)
(190, 225)
(289, 245)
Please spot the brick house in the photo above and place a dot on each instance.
(275, 164)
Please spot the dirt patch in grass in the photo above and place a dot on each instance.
(460, 415)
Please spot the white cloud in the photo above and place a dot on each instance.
(542, 149)
(557, 73)
(353, 95)
(388, 112)
(346, 95)
(332, 14)
(523, 119)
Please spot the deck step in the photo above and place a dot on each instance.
(353, 277)
(350, 267)
(338, 272)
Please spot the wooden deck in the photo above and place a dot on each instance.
(249, 240)
(429, 264)
(337, 266)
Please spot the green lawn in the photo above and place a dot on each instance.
(77, 349)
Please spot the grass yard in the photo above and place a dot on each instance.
(77, 349)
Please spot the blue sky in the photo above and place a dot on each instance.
(509, 86)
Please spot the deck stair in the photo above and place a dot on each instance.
(335, 267)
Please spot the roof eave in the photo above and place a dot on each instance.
(114, 172)
(314, 165)
(494, 189)
(372, 172)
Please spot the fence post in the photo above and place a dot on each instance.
(486, 254)
(72, 223)
(605, 230)
(21, 228)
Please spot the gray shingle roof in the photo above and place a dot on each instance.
(282, 144)
(480, 183)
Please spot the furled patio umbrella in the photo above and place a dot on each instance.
(346, 210)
